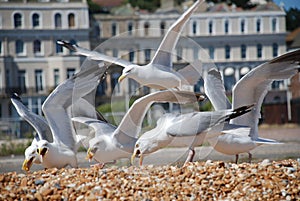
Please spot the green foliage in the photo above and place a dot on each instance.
(93, 7)
(10, 148)
(150, 5)
(292, 19)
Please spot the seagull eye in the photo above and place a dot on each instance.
(137, 146)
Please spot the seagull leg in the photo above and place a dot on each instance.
(236, 158)
(250, 157)
(190, 156)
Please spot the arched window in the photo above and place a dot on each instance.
(210, 27)
(229, 79)
(17, 20)
(131, 55)
(258, 25)
(147, 55)
(226, 26)
(227, 52)
(130, 27)
(243, 51)
(146, 28)
(242, 26)
(259, 50)
(113, 29)
(274, 24)
(57, 20)
(275, 50)
(19, 47)
(35, 20)
(71, 20)
(37, 47)
(162, 28)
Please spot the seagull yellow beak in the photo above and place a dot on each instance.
(140, 156)
(122, 77)
(89, 154)
(27, 164)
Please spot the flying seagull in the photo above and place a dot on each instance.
(251, 88)
(158, 73)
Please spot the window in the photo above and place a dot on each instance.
(147, 55)
(1, 48)
(35, 20)
(114, 83)
(57, 20)
(59, 48)
(131, 56)
(146, 28)
(242, 26)
(71, 20)
(17, 20)
(38, 80)
(37, 47)
(227, 52)
(194, 28)
(73, 42)
(199, 86)
(162, 28)
(7, 78)
(275, 50)
(243, 51)
(226, 26)
(195, 53)
(70, 72)
(56, 77)
(259, 50)
(274, 24)
(22, 80)
(258, 25)
(229, 79)
(211, 52)
(19, 47)
(115, 52)
(210, 27)
(130, 27)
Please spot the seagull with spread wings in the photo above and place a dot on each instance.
(158, 73)
(251, 88)
(111, 143)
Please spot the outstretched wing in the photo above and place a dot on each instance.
(166, 47)
(94, 55)
(253, 87)
(36, 121)
(131, 122)
(215, 91)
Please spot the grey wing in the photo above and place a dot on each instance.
(166, 47)
(215, 90)
(99, 126)
(131, 122)
(37, 122)
(253, 87)
(94, 55)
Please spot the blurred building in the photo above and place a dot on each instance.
(31, 63)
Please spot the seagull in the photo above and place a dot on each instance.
(62, 151)
(158, 73)
(181, 130)
(251, 88)
(51, 131)
(40, 125)
(111, 143)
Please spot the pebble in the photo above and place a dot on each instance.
(211, 180)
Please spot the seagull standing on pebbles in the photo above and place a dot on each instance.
(251, 88)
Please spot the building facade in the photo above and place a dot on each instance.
(31, 63)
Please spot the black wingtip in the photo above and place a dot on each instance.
(239, 112)
(66, 44)
(16, 97)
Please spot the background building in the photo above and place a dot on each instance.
(31, 63)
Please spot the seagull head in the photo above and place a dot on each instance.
(31, 156)
(142, 147)
(128, 71)
(43, 148)
(97, 146)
